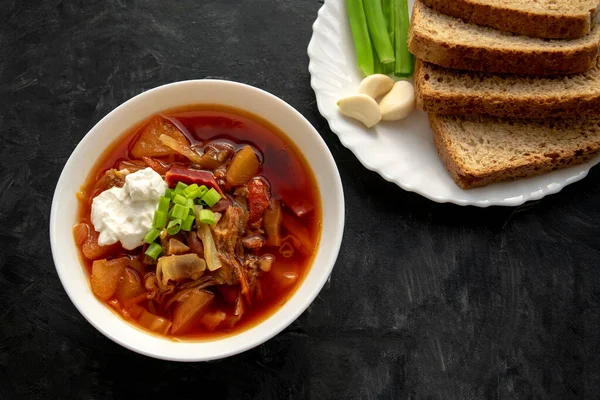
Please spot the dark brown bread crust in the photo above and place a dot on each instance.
(506, 106)
(473, 58)
(466, 180)
(517, 21)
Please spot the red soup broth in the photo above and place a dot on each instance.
(291, 179)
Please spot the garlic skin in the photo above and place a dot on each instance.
(376, 85)
(362, 108)
(399, 103)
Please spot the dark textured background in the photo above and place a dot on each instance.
(427, 301)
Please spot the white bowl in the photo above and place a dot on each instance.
(134, 111)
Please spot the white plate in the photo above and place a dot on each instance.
(403, 152)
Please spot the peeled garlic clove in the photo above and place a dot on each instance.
(376, 85)
(399, 102)
(362, 108)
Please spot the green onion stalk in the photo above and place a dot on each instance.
(378, 67)
(378, 30)
(404, 60)
(360, 35)
(390, 19)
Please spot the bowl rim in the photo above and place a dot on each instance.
(331, 253)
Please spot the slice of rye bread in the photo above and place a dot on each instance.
(453, 92)
(449, 42)
(478, 151)
(548, 19)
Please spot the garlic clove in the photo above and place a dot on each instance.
(362, 108)
(376, 85)
(399, 102)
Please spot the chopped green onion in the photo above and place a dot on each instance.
(180, 199)
(151, 235)
(154, 251)
(211, 197)
(174, 227)
(169, 193)
(207, 217)
(160, 219)
(198, 192)
(190, 205)
(360, 35)
(187, 224)
(190, 191)
(404, 60)
(180, 187)
(163, 204)
(378, 30)
(193, 195)
(180, 212)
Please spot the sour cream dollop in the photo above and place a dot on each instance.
(125, 214)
